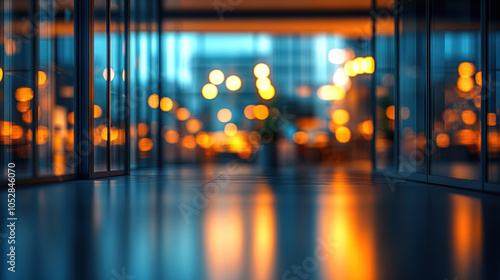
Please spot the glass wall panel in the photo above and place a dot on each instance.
(145, 95)
(16, 87)
(385, 70)
(101, 86)
(312, 105)
(456, 92)
(412, 87)
(118, 94)
(493, 115)
(56, 79)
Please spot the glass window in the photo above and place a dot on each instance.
(456, 93)
(37, 87)
(101, 86)
(385, 66)
(17, 88)
(56, 98)
(412, 87)
(118, 95)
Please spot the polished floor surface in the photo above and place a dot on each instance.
(240, 222)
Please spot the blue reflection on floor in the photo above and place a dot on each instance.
(239, 222)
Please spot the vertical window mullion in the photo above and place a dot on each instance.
(34, 115)
(108, 82)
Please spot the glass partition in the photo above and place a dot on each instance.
(385, 86)
(456, 89)
(412, 88)
(101, 91)
(110, 77)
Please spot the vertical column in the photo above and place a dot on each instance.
(396, 91)
(84, 42)
(484, 91)
(373, 85)
(36, 61)
(127, 86)
(160, 83)
(108, 82)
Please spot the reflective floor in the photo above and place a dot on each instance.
(240, 222)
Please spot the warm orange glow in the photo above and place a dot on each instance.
(356, 65)
(230, 129)
(343, 134)
(114, 133)
(348, 69)
(268, 93)
(479, 78)
(216, 77)
(166, 104)
(264, 233)
(260, 112)
(466, 69)
(27, 116)
(24, 94)
(300, 137)
(189, 142)
(42, 135)
(263, 83)
(492, 119)
(224, 115)
(443, 140)
(97, 111)
(366, 129)
(194, 125)
(390, 112)
(17, 132)
(42, 78)
(469, 117)
(465, 84)
(204, 140)
(477, 101)
(145, 145)
(182, 114)
(5, 128)
(233, 83)
(171, 136)
(124, 75)
(142, 130)
(23, 107)
(154, 101)
(209, 91)
(224, 234)
(340, 116)
(330, 92)
(249, 112)
(10, 47)
(321, 139)
(261, 70)
(71, 118)
(1, 74)
(105, 74)
(466, 234)
(368, 65)
(466, 137)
